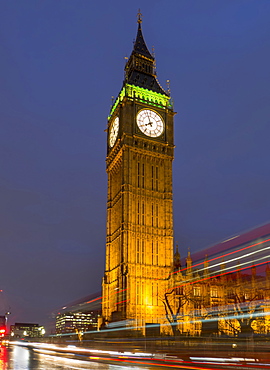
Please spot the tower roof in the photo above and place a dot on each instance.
(140, 45)
(140, 67)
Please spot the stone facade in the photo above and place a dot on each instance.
(139, 245)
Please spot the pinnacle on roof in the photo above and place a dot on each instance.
(176, 259)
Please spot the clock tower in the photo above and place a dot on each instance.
(139, 244)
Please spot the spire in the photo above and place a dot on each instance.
(176, 260)
(188, 265)
(139, 16)
(140, 45)
(188, 260)
(140, 67)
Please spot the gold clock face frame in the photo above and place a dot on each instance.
(113, 132)
(150, 123)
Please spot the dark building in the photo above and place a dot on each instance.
(74, 322)
(79, 316)
(26, 330)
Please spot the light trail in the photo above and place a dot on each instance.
(209, 260)
(190, 281)
(122, 301)
(237, 259)
(93, 300)
(57, 353)
(218, 275)
(222, 256)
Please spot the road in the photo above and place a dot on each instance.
(24, 358)
(50, 357)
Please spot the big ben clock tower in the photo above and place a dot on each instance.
(139, 245)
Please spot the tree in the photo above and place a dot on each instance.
(172, 305)
(245, 310)
(175, 299)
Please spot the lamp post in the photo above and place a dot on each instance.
(6, 319)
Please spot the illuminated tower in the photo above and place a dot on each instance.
(139, 245)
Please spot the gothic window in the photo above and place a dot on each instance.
(197, 308)
(196, 291)
(152, 215)
(142, 175)
(138, 293)
(156, 215)
(152, 252)
(156, 295)
(214, 292)
(143, 213)
(197, 325)
(143, 252)
(179, 290)
(138, 252)
(230, 294)
(138, 213)
(155, 177)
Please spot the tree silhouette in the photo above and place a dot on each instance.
(244, 311)
(172, 305)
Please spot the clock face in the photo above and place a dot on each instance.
(150, 123)
(113, 132)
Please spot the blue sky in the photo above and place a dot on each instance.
(61, 62)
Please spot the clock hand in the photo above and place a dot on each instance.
(149, 119)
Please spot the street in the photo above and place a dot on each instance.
(36, 356)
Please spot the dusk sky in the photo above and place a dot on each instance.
(61, 62)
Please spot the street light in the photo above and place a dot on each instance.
(6, 319)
